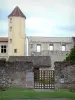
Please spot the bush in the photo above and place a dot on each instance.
(71, 87)
(3, 87)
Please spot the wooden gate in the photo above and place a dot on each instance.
(44, 79)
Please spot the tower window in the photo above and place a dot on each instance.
(3, 48)
(63, 47)
(51, 47)
(10, 40)
(15, 50)
(38, 47)
(10, 28)
(10, 20)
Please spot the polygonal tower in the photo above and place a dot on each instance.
(16, 33)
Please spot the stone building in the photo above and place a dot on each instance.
(55, 47)
(16, 42)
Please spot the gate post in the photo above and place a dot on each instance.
(29, 79)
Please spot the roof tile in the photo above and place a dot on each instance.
(17, 12)
(3, 39)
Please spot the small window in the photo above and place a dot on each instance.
(10, 40)
(15, 50)
(32, 54)
(63, 48)
(38, 47)
(51, 47)
(31, 45)
(10, 28)
(3, 48)
(10, 20)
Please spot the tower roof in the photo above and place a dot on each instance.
(17, 12)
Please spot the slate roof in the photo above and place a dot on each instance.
(43, 61)
(3, 39)
(17, 12)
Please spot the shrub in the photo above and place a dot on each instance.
(71, 87)
(3, 87)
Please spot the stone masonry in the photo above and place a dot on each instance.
(19, 71)
(64, 74)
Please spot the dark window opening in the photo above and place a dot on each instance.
(31, 45)
(10, 28)
(15, 50)
(10, 40)
(10, 20)
(3, 49)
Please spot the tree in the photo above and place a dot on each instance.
(71, 78)
(71, 75)
(71, 56)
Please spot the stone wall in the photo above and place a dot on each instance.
(57, 54)
(63, 74)
(17, 74)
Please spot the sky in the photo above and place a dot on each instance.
(52, 18)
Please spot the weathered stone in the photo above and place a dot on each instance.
(20, 73)
(67, 69)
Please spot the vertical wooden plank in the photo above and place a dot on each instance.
(44, 79)
(41, 79)
(49, 78)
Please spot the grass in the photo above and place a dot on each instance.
(18, 93)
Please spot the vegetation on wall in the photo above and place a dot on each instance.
(71, 75)
(71, 55)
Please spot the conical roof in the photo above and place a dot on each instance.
(17, 12)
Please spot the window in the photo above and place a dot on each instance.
(10, 28)
(31, 45)
(10, 40)
(32, 54)
(15, 50)
(10, 20)
(38, 47)
(51, 47)
(3, 49)
(63, 48)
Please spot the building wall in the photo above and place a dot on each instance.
(17, 35)
(45, 41)
(57, 54)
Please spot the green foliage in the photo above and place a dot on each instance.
(3, 88)
(71, 56)
(71, 87)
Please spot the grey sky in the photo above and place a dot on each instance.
(44, 17)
